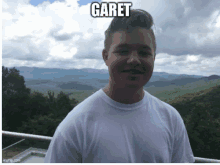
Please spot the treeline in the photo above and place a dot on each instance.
(38, 114)
(201, 115)
(26, 112)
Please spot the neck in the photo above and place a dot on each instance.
(124, 95)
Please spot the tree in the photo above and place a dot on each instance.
(13, 83)
(63, 104)
(201, 116)
(41, 125)
(15, 96)
(37, 105)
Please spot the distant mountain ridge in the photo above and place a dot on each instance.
(87, 73)
(89, 79)
(180, 81)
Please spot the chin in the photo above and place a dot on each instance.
(133, 85)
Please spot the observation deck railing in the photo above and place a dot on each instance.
(47, 138)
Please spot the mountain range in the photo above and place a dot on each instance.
(90, 79)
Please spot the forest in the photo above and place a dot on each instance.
(24, 111)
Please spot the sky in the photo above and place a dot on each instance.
(63, 34)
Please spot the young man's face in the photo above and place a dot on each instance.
(130, 51)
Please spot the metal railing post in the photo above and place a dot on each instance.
(205, 160)
(13, 144)
(26, 136)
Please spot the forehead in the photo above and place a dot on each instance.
(137, 38)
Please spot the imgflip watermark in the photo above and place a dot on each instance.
(110, 9)
(11, 160)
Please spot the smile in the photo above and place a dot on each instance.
(133, 71)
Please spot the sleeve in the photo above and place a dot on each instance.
(62, 151)
(182, 151)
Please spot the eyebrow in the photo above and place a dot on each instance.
(127, 45)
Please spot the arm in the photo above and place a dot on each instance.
(182, 152)
(62, 151)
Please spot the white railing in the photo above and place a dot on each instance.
(39, 137)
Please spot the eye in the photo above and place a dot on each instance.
(123, 52)
(143, 53)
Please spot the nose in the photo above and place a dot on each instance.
(133, 58)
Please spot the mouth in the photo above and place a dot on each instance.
(133, 71)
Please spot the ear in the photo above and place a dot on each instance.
(105, 55)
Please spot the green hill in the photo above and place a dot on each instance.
(201, 114)
(173, 93)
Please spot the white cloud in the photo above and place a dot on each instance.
(62, 34)
(60, 51)
(217, 25)
(192, 58)
(190, 64)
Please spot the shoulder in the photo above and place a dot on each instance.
(165, 110)
(83, 114)
(161, 105)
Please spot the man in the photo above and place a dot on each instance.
(122, 122)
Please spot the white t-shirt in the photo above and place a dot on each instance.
(101, 130)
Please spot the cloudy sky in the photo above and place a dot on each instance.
(63, 34)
